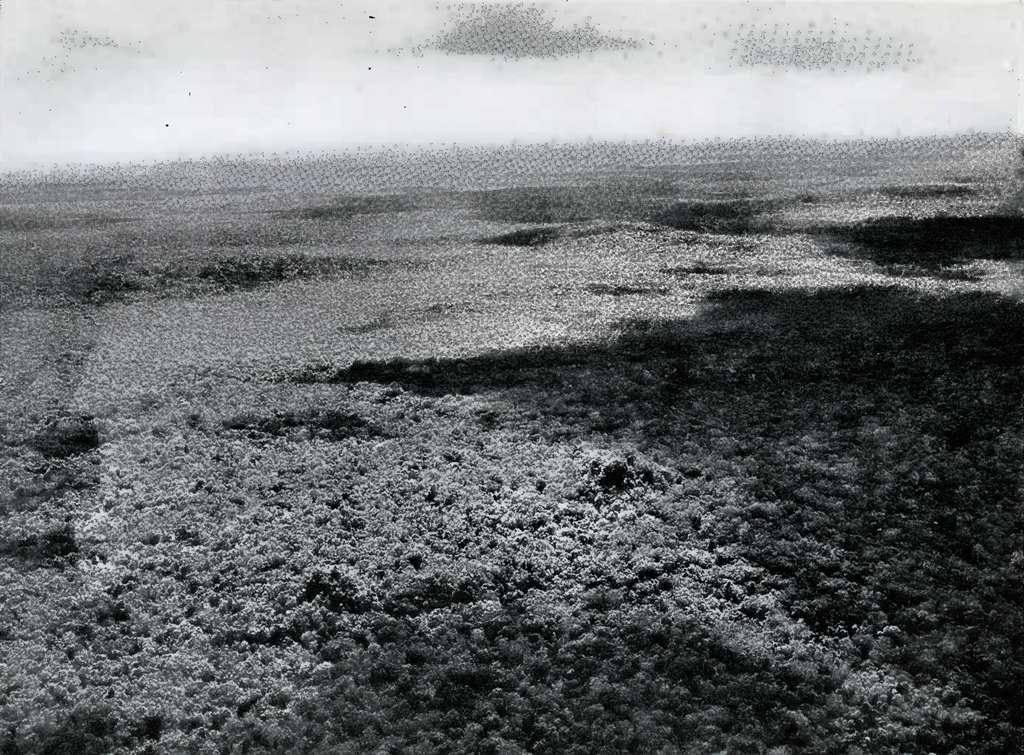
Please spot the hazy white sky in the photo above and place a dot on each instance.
(102, 81)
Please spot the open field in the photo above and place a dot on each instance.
(717, 455)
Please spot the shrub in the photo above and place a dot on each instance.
(89, 732)
(612, 472)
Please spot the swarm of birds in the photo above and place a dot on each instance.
(819, 49)
(520, 31)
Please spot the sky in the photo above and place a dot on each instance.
(136, 81)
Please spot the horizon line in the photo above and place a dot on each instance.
(416, 149)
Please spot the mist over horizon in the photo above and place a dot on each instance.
(150, 82)
(493, 166)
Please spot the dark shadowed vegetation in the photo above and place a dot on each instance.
(607, 289)
(44, 485)
(128, 277)
(50, 548)
(933, 242)
(535, 205)
(729, 216)
(89, 732)
(66, 437)
(440, 377)
(328, 424)
(875, 435)
(258, 270)
(929, 191)
(35, 220)
(525, 237)
(698, 268)
(346, 208)
(66, 465)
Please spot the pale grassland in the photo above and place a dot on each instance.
(474, 302)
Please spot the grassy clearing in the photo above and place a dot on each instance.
(236, 248)
(788, 523)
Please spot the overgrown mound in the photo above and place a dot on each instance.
(611, 472)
